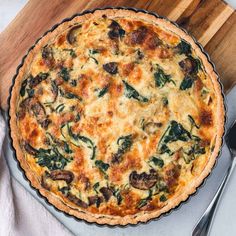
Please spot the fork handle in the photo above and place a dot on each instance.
(203, 226)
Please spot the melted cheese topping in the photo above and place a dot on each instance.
(115, 116)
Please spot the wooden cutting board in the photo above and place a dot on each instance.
(211, 22)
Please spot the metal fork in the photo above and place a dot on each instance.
(204, 224)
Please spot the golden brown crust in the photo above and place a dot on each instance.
(142, 216)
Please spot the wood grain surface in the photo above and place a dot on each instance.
(211, 22)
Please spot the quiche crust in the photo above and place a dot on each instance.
(142, 215)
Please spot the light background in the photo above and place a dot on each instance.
(179, 223)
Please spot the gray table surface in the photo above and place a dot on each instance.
(180, 222)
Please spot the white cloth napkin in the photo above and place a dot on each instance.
(20, 213)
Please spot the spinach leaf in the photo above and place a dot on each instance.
(161, 187)
(125, 143)
(69, 95)
(197, 64)
(93, 51)
(94, 59)
(187, 82)
(144, 201)
(23, 87)
(95, 187)
(157, 161)
(117, 195)
(90, 145)
(163, 198)
(60, 108)
(64, 74)
(192, 121)
(102, 166)
(77, 117)
(59, 143)
(73, 83)
(51, 158)
(67, 148)
(30, 92)
(184, 48)
(103, 91)
(64, 190)
(78, 137)
(174, 132)
(165, 149)
(71, 51)
(130, 92)
(194, 151)
(161, 78)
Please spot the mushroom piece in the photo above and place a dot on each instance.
(143, 181)
(77, 201)
(188, 65)
(44, 183)
(95, 200)
(38, 110)
(138, 36)
(151, 127)
(28, 148)
(40, 113)
(70, 37)
(116, 31)
(106, 192)
(172, 173)
(33, 106)
(65, 175)
(34, 81)
(111, 68)
(47, 55)
(45, 123)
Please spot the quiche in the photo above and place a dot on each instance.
(116, 116)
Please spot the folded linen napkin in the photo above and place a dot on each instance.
(20, 213)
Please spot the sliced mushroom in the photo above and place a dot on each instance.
(111, 67)
(188, 65)
(33, 106)
(65, 175)
(143, 181)
(85, 180)
(44, 183)
(106, 192)
(95, 200)
(45, 123)
(172, 174)
(151, 127)
(21, 113)
(77, 201)
(28, 148)
(25, 103)
(54, 89)
(152, 41)
(34, 81)
(70, 37)
(138, 36)
(116, 31)
(38, 111)
(47, 55)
